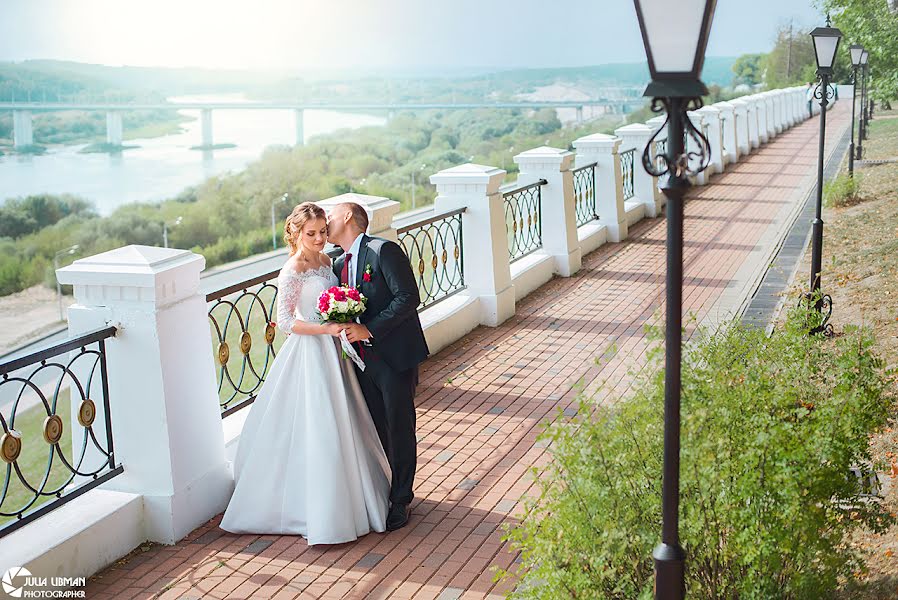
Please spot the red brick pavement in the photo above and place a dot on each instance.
(480, 405)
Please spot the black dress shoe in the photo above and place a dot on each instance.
(397, 518)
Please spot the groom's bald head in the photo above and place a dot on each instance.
(359, 216)
(345, 222)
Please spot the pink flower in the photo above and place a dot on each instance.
(366, 277)
(353, 294)
(339, 295)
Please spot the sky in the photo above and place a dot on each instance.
(326, 34)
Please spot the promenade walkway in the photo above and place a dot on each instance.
(481, 402)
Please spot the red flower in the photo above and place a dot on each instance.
(339, 295)
(353, 294)
(366, 277)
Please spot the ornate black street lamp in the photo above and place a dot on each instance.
(675, 38)
(856, 51)
(826, 43)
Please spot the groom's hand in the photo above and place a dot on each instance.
(356, 332)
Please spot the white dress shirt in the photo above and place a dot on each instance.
(354, 261)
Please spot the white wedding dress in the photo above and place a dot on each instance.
(309, 460)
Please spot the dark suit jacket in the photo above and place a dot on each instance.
(391, 314)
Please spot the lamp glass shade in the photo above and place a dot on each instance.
(856, 51)
(864, 57)
(675, 37)
(826, 43)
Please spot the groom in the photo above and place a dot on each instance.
(392, 342)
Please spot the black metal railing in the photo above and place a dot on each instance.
(49, 459)
(585, 194)
(242, 318)
(435, 249)
(523, 219)
(627, 158)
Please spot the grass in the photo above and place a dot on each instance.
(861, 273)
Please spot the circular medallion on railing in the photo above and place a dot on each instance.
(433, 262)
(52, 429)
(421, 266)
(87, 412)
(270, 331)
(457, 252)
(10, 446)
(224, 353)
(246, 342)
(445, 256)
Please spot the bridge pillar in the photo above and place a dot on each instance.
(23, 134)
(579, 115)
(114, 128)
(299, 116)
(206, 120)
(391, 115)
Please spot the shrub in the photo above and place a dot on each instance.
(770, 429)
(842, 191)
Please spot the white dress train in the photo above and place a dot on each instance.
(309, 461)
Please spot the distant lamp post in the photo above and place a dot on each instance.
(826, 43)
(69, 250)
(864, 110)
(856, 51)
(413, 182)
(274, 237)
(165, 227)
(675, 38)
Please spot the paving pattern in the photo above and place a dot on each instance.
(481, 403)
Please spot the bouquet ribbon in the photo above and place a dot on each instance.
(349, 351)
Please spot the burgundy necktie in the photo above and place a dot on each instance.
(344, 275)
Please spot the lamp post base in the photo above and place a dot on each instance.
(822, 304)
(670, 582)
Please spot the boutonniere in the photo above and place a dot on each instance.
(367, 275)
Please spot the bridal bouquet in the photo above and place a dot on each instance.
(343, 304)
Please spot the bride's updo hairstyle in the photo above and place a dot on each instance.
(302, 214)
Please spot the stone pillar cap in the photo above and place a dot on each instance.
(598, 141)
(634, 128)
(545, 155)
(131, 266)
(379, 208)
(470, 174)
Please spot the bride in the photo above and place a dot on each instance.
(309, 461)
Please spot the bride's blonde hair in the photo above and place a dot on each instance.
(302, 214)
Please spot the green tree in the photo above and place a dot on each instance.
(869, 23)
(748, 69)
(788, 61)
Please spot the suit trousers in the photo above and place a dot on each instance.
(390, 396)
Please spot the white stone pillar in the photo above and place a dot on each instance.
(299, 116)
(760, 117)
(559, 211)
(206, 122)
(22, 129)
(698, 122)
(769, 99)
(656, 124)
(603, 150)
(753, 119)
(711, 116)
(645, 186)
(728, 132)
(114, 128)
(380, 211)
(165, 412)
(485, 255)
(743, 136)
(788, 109)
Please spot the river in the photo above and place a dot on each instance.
(162, 167)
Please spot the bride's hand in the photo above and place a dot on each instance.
(332, 329)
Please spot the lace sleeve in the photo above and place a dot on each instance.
(289, 287)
